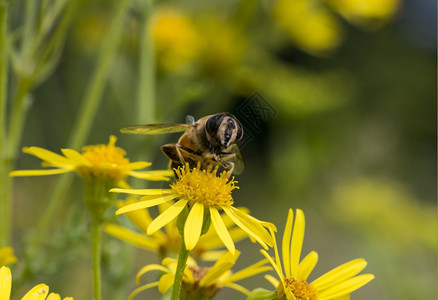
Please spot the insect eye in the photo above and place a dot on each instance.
(213, 124)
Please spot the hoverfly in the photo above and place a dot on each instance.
(209, 141)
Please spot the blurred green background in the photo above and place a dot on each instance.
(343, 125)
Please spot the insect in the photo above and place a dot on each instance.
(209, 141)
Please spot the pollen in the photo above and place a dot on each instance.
(105, 161)
(301, 289)
(204, 186)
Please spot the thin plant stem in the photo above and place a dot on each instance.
(5, 186)
(18, 115)
(146, 83)
(30, 14)
(95, 90)
(97, 247)
(9, 154)
(183, 255)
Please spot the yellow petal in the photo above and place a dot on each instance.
(251, 227)
(238, 288)
(193, 225)
(306, 265)
(148, 192)
(245, 273)
(132, 237)
(286, 243)
(149, 268)
(223, 264)
(274, 281)
(212, 255)
(345, 287)
(53, 296)
(39, 292)
(211, 239)
(221, 229)
(5, 283)
(75, 157)
(339, 274)
(289, 295)
(152, 175)
(19, 173)
(141, 289)
(167, 216)
(297, 242)
(277, 256)
(141, 217)
(277, 268)
(166, 281)
(51, 157)
(171, 228)
(144, 204)
(136, 165)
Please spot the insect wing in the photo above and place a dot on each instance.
(155, 128)
(236, 157)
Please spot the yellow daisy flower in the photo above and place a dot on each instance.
(201, 282)
(309, 24)
(39, 292)
(7, 256)
(96, 161)
(177, 41)
(335, 284)
(167, 242)
(205, 194)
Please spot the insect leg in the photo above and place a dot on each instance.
(229, 165)
(178, 151)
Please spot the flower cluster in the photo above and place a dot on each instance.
(196, 220)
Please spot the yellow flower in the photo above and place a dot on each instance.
(205, 194)
(167, 242)
(311, 26)
(39, 292)
(335, 284)
(97, 161)
(7, 256)
(176, 38)
(201, 282)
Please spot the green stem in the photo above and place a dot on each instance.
(146, 83)
(30, 14)
(9, 153)
(18, 115)
(95, 90)
(183, 255)
(97, 245)
(5, 185)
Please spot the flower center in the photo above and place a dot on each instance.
(106, 161)
(198, 272)
(192, 290)
(301, 289)
(204, 186)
